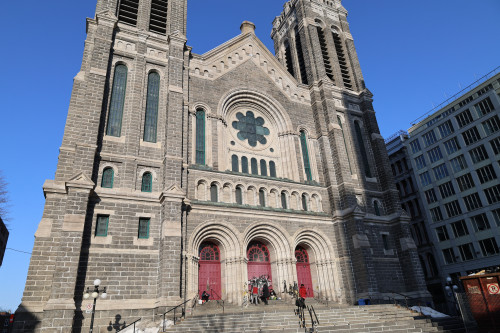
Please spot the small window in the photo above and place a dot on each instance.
(429, 138)
(452, 146)
(453, 208)
(263, 168)
(107, 178)
(467, 251)
(255, 169)
(235, 163)
(495, 145)
(147, 182)
(442, 233)
(446, 129)
(430, 195)
(244, 164)
(420, 161)
(440, 171)
(425, 178)
(464, 118)
(458, 163)
(473, 202)
(447, 190)
(422, 263)
(471, 136)
(449, 256)
(435, 154)
(484, 107)
(214, 193)
(262, 198)
(283, 201)
(415, 146)
(491, 125)
(272, 169)
(460, 229)
(432, 264)
(101, 228)
(478, 154)
(376, 207)
(486, 174)
(436, 214)
(239, 196)
(480, 222)
(143, 232)
(489, 247)
(496, 216)
(304, 202)
(465, 182)
(385, 240)
(492, 194)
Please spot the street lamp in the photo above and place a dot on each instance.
(451, 289)
(95, 294)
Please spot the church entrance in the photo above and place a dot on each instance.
(259, 262)
(304, 270)
(209, 277)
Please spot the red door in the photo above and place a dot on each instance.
(209, 273)
(259, 262)
(304, 270)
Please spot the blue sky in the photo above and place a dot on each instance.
(413, 54)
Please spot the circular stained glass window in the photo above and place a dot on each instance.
(251, 128)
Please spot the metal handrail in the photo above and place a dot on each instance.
(223, 304)
(130, 325)
(183, 315)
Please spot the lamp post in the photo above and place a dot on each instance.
(451, 289)
(95, 294)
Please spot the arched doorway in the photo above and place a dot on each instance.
(304, 270)
(209, 277)
(259, 261)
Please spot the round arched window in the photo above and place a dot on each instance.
(257, 252)
(209, 252)
(301, 255)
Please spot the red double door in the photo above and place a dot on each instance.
(304, 270)
(209, 277)
(259, 262)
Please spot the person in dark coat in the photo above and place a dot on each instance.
(265, 293)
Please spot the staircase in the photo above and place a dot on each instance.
(279, 316)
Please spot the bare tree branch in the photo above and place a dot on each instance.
(4, 199)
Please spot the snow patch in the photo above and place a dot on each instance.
(428, 312)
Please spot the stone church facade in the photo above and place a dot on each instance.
(181, 172)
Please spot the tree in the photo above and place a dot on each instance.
(4, 200)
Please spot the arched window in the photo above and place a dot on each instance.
(214, 193)
(200, 137)
(272, 169)
(376, 207)
(262, 198)
(288, 58)
(301, 255)
(147, 182)
(117, 101)
(305, 155)
(284, 204)
(209, 252)
(324, 53)
(345, 143)
(107, 178)
(362, 149)
(304, 202)
(263, 168)
(257, 252)
(300, 57)
(244, 164)
(255, 170)
(152, 100)
(239, 196)
(235, 163)
(127, 12)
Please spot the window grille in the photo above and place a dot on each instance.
(288, 58)
(491, 125)
(478, 154)
(300, 57)
(158, 18)
(442, 233)
(272, 169)
(305, 155)
(489, 247)
(107, 178)
(147, 182)
(446, 129)
(117, 101)
(344, 69)
(429, 138)
(464, 118)
(362, 149)
(244, 164)
(453, 208)
(492, 194)
(235, 163)
(484, 107)
(255, 169)
(473, 202)
(200, 137)
(143, 230)
(324, 53)
(460, 229)
(152, 100)
(263, 168)
(101, 228)
(452, 146)
(446, 190)
(435, 154)
(486, 174)
(127, 11)
(471, 136)
(465, 182)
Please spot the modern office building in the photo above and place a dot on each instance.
(411, 202)
(454, 153)
(4, 235)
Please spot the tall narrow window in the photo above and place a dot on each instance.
(239, 196)
(263, 168)
(214, 195)
(262, 198)
(101, 228)
(376, 207)
(107, 178)
(283, 201)
(272, 169)
(300, 57)
(288, 58)
(362, 149)
(345, 143)
(150, 123)
(305, 155)
(344, 69)
(255, 169)
(147, 182)
(117, 101)
(127, 11)
(324, 53)
(304, 202)
(385, 240)
(158, 19)
(235, 163)
(200, 137)
(244, 164)
(143, 230)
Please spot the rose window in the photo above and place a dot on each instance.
(251, 128)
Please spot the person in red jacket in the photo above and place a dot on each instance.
(303, 295)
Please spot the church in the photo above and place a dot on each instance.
(181, 173)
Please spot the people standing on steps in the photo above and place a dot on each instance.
(265, 293)
(303, 295)
(255, 294)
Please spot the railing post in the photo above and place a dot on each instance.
(134, 327)
(175, 309)
(164, 322)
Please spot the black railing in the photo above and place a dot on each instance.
(129, 325)
(407, 301)
(183, 313)
(218, 300)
